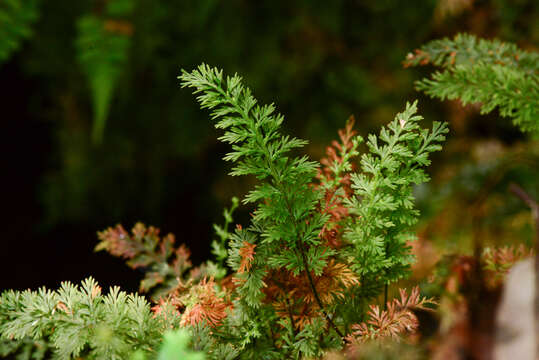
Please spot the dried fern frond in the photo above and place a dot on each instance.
(334, 178)
(291, 295)
(203, 305)
(144, 248)
(498, 261)
(247, 253)
(397, 322)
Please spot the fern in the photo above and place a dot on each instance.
(260, 150)
(490, 72)
(219, 246)
(16, 18)
(383, 195)
(321, 244)
(81, 321)
(283, 251)
(396, 322)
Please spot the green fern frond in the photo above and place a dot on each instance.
(490, 72)
(80, 321)
(383, 194)
(466, 49)
(285, 199)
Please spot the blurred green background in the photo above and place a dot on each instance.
(97, 130)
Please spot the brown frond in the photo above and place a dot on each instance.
(335, 278)
(336, 150)
(181, 262)
(117, 242)
(145, 248)
(498, 261)
(291, 294)
(397, 322)
(414, 301)
(203, 304)
(334, 207)
(247, 253)
(336, 185)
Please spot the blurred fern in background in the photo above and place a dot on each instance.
(16, 19)
(103, 46)
(490, 72)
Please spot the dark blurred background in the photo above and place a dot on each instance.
(156, 158)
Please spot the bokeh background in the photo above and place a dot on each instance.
(97, 131)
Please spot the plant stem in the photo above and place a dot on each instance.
(306, 266)
(291, 317)
(288, 306)
(313, 288)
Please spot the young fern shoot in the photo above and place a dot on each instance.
(493, 73)
(383, 200)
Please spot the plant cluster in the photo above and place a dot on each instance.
(310, 274)
(323, 244)
(490, 72)
(76, 320)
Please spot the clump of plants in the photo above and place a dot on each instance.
(323, 243)
(307, 277)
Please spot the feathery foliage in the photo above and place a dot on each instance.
(164, 264)
(395, 322)
(286, 217)
(490, 72)
(321, 245)
(146, 249)
(16, 17)
(219, 246)
(81, 321)
(383, 199)
(315, 239)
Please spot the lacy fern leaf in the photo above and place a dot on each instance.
(383, 200)
(81, 321)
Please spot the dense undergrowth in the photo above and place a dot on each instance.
(321, 268)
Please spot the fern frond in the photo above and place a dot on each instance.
(490, 72)
(286, 202)
(466, 49)
(397, 322)
(383, 200)
(81, 321)
(144, 248)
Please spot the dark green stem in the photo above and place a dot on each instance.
(316, 296)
